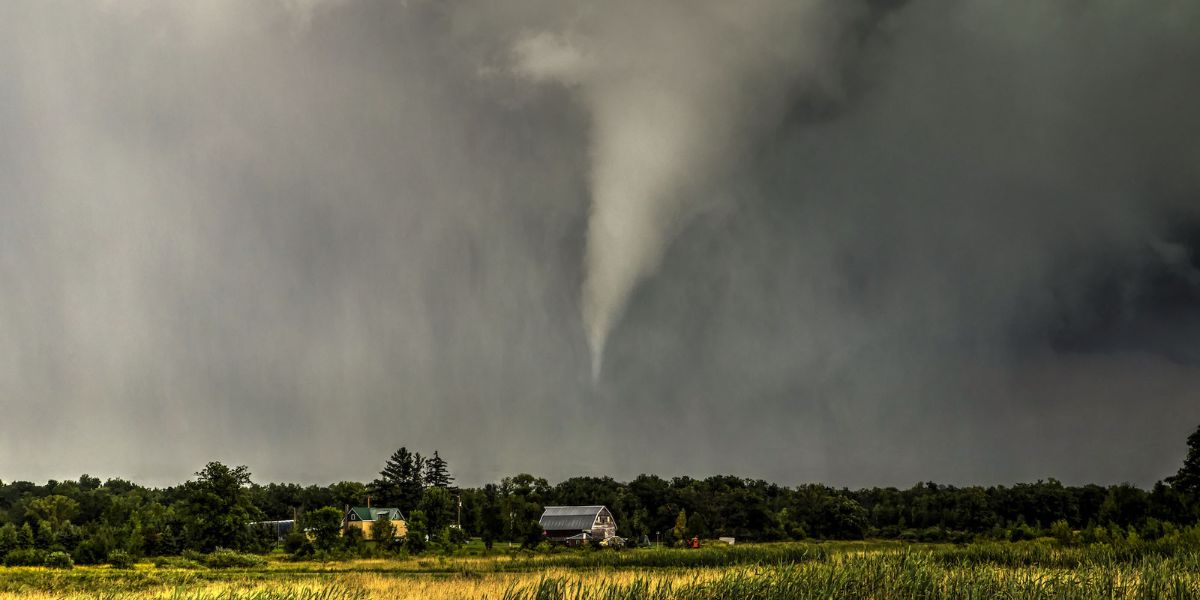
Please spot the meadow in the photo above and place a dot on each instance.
(879, 570)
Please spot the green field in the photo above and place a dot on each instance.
(880, 570)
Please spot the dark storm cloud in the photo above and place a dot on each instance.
(299, 234)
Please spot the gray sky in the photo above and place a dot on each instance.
(862, 243)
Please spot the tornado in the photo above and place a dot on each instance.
(676, 92)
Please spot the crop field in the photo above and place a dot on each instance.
(1036, 569)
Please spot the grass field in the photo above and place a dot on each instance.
(767, 571)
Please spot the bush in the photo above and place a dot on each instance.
(231, 559)
(175, 562)
(1062, 532)
(90, 552)
(1022, 532)
(456, 536)
(119, 559)
(59, 560)
(352, 540)
(297, 544)
(415, 541)
(25, 557)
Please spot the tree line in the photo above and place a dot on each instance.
(93, 520)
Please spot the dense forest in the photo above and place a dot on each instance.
(94, 520)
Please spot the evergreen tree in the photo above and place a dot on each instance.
(399, 466)
(400, 480)
(436, 472)
(1187, 480)
(419, 469)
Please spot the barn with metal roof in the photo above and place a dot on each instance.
(563, 522)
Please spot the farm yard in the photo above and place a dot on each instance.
(871, 569)
(222, 537)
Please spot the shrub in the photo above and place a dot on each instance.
(175, 562)
(1062, 532)
(25, 557)
(297, 544)
(119, 559)
(456, 536)
(383, 532)
(59, 560)
(231, 559)
(90, 552)
(1022, 532)
(352, 540)
(415, 541)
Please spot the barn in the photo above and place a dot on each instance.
(578, 524)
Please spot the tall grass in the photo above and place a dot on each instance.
(880, 571)
(892, 576)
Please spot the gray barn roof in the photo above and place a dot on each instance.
(562, 518)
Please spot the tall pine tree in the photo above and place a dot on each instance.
(1187, 480)
(399, 482)
(436, 472)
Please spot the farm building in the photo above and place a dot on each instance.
(578, 524)
(276, 529)
(363, 517)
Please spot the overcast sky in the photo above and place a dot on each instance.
(859, 242)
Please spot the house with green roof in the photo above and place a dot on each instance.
(364, 517)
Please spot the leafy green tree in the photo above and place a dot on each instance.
(1169, 504)
(438, 506)
(88, 483)
(680, 531)
(55, 510)
(216, 507)
(418, 529)
(1125, 505)
(842, 518)
(43, 535)
(25, 536)
(353, 540)
(383, 532)
(326, 526)
(8, 538)
(492, 522)
(533, 534)
(348, 493)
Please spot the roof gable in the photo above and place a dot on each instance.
(364, 513)
(572, 511)
(564, 518)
